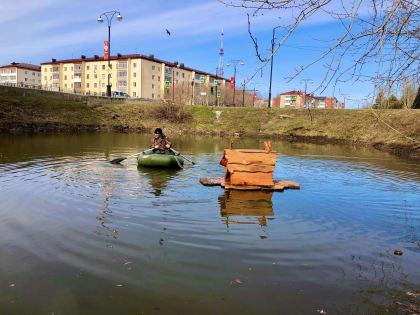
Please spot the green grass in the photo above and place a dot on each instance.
(345, 125)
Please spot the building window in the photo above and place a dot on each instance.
(87, 76)
(134, 84)
(87, 67)
(65, 68)
(103, 76)
(95, 67)
(95, 76)
(153, 95)
(159, 78)
(153, 86)
(33, 73)
(65, 77)
(153, 76)
(134, 65)
(95, 85)
(87, 85)
(122, 83)
(103, 67)
(45, 78)
(72, 85)
(122, 73)
(65, 85)
(103, 84)
(183, 75)
(55, 69)
(153, 67)
(26, 72)
(177, 73)
(122, 64)
(56, 76)
(134, 94)
(26, 79)
(39, 74)
(134, 74)
(33, 80)
(46, 70)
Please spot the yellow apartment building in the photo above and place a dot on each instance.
(23, 74)
(137, 75)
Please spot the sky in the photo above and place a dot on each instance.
(35, 31)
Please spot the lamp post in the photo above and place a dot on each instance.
(109, 16)
(235, 63)
(271, 70)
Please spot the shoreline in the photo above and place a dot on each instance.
(364, 128)
(407, 151)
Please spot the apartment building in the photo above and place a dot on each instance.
(329, 102)
(294, 99)
(20, 74)
(137, 75)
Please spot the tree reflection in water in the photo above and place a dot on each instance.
(105, 213)
(246, 204)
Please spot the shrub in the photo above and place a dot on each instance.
(174, 113)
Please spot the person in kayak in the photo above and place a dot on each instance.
(160, 142)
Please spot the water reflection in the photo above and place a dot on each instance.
(158, 178)
(247, 205)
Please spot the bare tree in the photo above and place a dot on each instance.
(385, 33)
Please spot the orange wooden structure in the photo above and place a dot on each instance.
(249, 170)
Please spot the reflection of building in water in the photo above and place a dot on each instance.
(158, 178)
(246, 204)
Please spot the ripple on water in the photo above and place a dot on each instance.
(84, 213)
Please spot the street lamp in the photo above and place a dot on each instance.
(235, 63)
(271, 71)
(109, 16)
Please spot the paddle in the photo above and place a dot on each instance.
(192, 162)
(119, 160)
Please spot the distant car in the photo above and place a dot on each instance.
(120, 94)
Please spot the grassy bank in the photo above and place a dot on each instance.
(363, 127)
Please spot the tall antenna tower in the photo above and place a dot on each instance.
(220, 71)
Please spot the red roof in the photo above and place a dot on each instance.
(26, 66)
(131, 56)
(293, 93)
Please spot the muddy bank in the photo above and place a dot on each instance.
(349, 127)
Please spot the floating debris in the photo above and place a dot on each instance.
(236, 281)
(119, 285)
(398, 252)
(12, 285)
(321, 311)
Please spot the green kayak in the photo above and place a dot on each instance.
(167, 160)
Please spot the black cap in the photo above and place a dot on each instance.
(158, 131)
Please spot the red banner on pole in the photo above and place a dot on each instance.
(255, 96)
(106, 50)
(232, 82)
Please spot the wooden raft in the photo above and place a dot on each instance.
(249, 170)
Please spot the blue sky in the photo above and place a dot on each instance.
(37, 30)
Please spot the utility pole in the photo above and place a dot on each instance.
(216, 85)
(235, 63)
(344, 95)
(243, 95)
(271, 70)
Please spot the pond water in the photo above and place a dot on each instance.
(82, 236)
